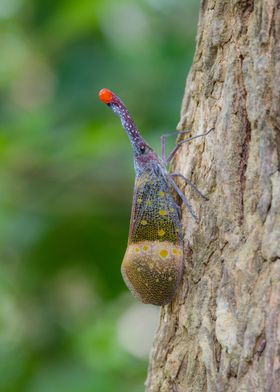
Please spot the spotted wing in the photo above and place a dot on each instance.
(154, 212)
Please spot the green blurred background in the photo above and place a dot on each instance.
(67, 321)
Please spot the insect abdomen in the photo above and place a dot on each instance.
(152, 270)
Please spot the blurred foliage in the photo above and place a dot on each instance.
(67, 180)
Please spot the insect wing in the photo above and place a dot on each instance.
(155, 214)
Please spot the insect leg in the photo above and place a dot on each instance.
(163, 141)
(178, 210)
(172, 154)
(190, 183)
(182, 196)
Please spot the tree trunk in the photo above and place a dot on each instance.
(222, 332)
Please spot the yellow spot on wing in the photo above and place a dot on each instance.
(161, 193)
(137, 249)
(145, 248)
(162, 212)
(139, 200)
(161, 232)
(149, 203)
(172, 209)
(143, 222)
(174, 251)
(163, 253)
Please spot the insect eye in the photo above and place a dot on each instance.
(142, 149)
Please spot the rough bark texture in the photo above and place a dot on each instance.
(222, 332)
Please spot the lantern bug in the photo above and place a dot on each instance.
(153, 262)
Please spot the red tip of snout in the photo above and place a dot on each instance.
(105, 95)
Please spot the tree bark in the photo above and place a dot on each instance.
(222, 331)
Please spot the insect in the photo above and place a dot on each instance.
(153, 262)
